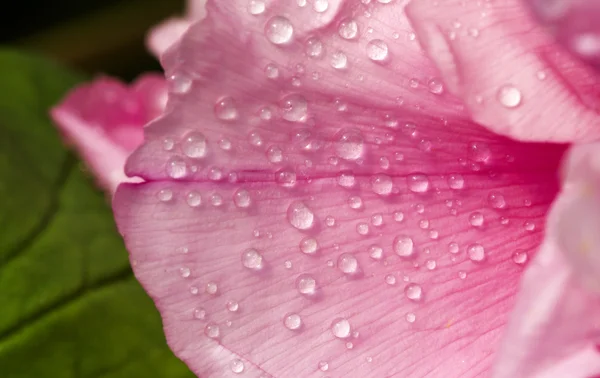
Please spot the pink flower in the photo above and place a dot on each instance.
(104, 120)
(321, 197)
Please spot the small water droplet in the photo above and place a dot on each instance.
(237, 366)
(323, 365)
(294, 108)
(355, 202)
(341, 328)
(346, 180)
(376, 252)
(398, 216)
(347, 263)
(233, 306)
(456, 181)
(476, 219)
(193, 199)
(200, 314)
(413, 292)
(390, 279)
(212, 330)
(288, 264)
(362, 229)
(418, 183)
(306, 285)
(165, 195)
(211, 288)
(216, 200)
(410, 317)
(496, 200)
(435, 86)
(185, 272)
(377, 50)
(279, 30)
(330, 221)
(292, 322)
(476, 252)
(479, 152)
(382, 184)
(177, 168)
(168, 144)
(376, 220)
(194, 145)
(256, 7)
(520, 257)
(252, 259)
(272, 71)
(462, 274)
(350, 144)
(242, 198)
(404, 246)
(424, 224)
(300, 216)
(348, 29)
(309, 246)
(275, 154)
(509, 96)
(453, 248)
(180, 83)
(431, 264)
(286, 178)
(339, 60)
(320, 6)
(314, 47)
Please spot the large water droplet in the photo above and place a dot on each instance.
(306, 285)
(292, 322)
(509, 96)
(377, 50)
(341, 328)
(413, 292)
(237, 366)
(476, 252)
(242, 198)
(309, 246)
(382, 184)
(404, 246)
(348, 29)
(194, 145)
(226, 110)
(418, 183)
(177, 168)
(314, 47)
(350, 144)
(347, 263)
(294, 108)
(193, 199)
(339, 60)
(300, 216)
(252, 259)
(279, 30)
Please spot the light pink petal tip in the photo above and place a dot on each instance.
(511, 74)
(555, 327)
(317, 204)
(104, 121)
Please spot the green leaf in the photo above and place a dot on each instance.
(69, 304)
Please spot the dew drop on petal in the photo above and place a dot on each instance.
(347, 263)
(225, 109)
(509, 96)
(435, 86)
(216, 200)
(300, 216)
(341, 328)
(309, 246)
(252, 259)
(348, 29)
(496, 200)
(165, 195)
(294, 108)
(377, 50)
(185, 272)
(292, 322)
(323, 365)
(456, 181)
(242, 199)
(211, 288)
(376, 252)
(339, 60)
(476, 219)
(212, 330)
(237, 366)
(382, 184)
(414, 292)
(476, 252)
(520, 257)
(346, 180)
(279, 30)
(194, 145)
(320, 6)
(314, 47)
(431, 264)
(200, 314)
(418, 183)
(177, 168)
(362, 228)
(398, 216)
(390, 279)
(404, 246)
(193, 199)
(306, 285)
(355, 202)
(271, 71)
(410, 317)
(286, 178)
(350, 144)
(462, 274)
(479, 152)
(275, 154)
(256, 7)
(453, 248)
(233, 306)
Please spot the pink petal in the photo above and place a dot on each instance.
(509, 72)
(555, 326)
(104, 120)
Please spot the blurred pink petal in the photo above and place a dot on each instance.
(317, 204)
(508, 70)
(555, 327)
(104, 120)
(164, 35)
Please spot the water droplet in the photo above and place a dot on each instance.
(462, 274)
(410, 317)
(476, 252)
(279, 30)
(430, 264)
(225, 109)
(377, 50)
(185, 272)
(292, 322)
(330, 221)
(309, 246)
(339, 60)
(509, 96)
(200, 314)
(180, 83)
(212, 330)
(321, 6)
(194, 290)
(479, 152)
(323, 366)
(390, 279)
(271, 71)
(216, 200)
(275, 154)
(341, 328)
(376, 220)
(286, 178)
(165, 195)
(348, 29)
(453, 248)
(294, 108)
(346, 180)
(176, 168)
(404, 246)
(476, 219)
(376, 252)
(355, 202)
(306, 285)
(193, 199)
(350, 145)
(211, 288)
(424, 224)
(456, 181)
(520, 257)
(435, 86)
(194, 145)
(382, 184)
(529, 226)
(418, 183)
(256, 7)
(362, 229)
(288, 264)
(314, 47)
(349, 345)
(300, 216)
(347, 263)
(398, 216)
(168, 144)
(237, 366)
(242, 199)
(233, 306)
(252, 259)
(413, 292)
(225, 144)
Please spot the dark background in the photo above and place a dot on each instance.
(94, 36)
